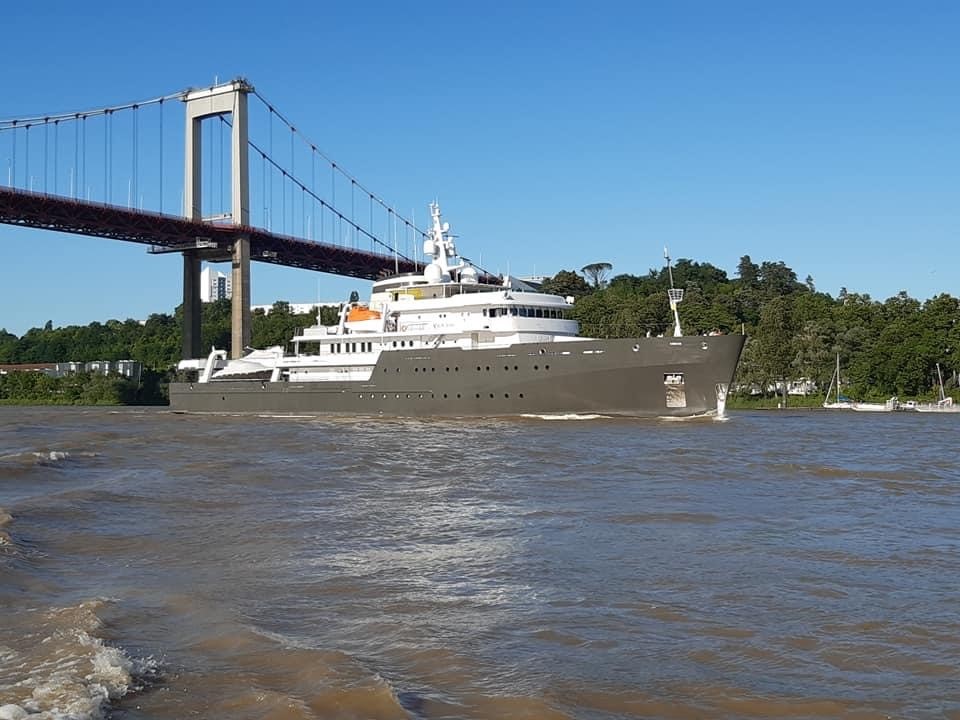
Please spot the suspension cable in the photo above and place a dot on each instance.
(13, 123)
(319, 152)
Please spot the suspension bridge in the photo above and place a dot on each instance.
(253, 188)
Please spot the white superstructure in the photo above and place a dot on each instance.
(444, 306)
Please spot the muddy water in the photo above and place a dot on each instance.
(773, 565)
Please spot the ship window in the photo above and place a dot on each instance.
(484, 312)
(513, 312)
(673, 378)
(524, 312)
(539, 313)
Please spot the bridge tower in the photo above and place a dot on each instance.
(226, 99)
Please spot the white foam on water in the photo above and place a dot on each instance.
(45, 457)
(56, 668)
(566, 416)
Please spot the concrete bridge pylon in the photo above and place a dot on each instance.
(225, 99)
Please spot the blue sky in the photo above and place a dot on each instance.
(823, 134)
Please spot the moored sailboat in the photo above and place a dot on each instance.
(839, 402)
(944, 405)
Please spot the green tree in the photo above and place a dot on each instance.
(596, 273)
(566, 283)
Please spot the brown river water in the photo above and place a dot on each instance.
(779, 564)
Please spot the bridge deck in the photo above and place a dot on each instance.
(52, 212)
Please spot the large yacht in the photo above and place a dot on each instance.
(442, 343)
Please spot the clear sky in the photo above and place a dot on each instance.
(823, 134)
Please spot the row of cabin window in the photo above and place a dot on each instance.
(517, 311)
(350, 347)
(364, 346)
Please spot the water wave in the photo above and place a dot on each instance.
(5, 519)
(55, 666)
(45, 457)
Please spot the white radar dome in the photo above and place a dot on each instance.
(433, 273)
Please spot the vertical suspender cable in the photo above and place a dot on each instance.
(46, 137)
(161, 155)
(56, 154)
(27, 185)
(75, 171)
(83, 190)
(270, 150)
(313, 185)
(13, 166)
(293, 175)
(223, 202)
(135, 191)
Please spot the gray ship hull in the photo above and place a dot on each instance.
(643, 377)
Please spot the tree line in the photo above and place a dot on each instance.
(794, 331)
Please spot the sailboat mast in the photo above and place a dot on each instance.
(838, 377)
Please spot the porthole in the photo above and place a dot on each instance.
(636, 348)
(416, 369)
(447, 369)
(433, 369)
(458, 396)
(506, 368)
(478, 368)
(546, 367)
(542, 351)
(398, 396)
(488, 368)
(516, 367)
(456, 369)
(444, 396)
(478, 396)
(420, 396)
(491, 396)
(507, 395)
(408, 396)
(521, 396)
(536, 367)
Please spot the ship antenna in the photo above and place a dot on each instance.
(675, 295)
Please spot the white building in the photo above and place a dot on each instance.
(296, 308)
(215, 285)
